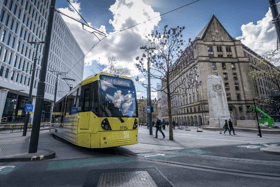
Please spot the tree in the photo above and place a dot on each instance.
(167, 61)
(142, 108)
(264, 68)
(112, 68)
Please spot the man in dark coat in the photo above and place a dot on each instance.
(231, 127)
(173, 124)
(158, 126)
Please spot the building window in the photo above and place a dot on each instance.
(219, 49)
(240, 109)
(224, 65)
(15, 9)
(12, 24)
(16, 26)
(5, 55)
(7, 20)
(12, 77)
(215, 73)
(229, 56)
(235, 76)
(19, 12)
(5, 2)
(228, 49)
(211, 55)
(13, 42)
(21, 79)
(2, 15)
(23, 65)
(8, 39)
(1, 70)
(210, 49)
(233, 66)
(24, 80)
(28, 82)
(225, 76)
(238, 96)
(214, 65)
(19, 63)
(228, 97)
(236, 86)
(227, 86)
(17, 77)
(7, 73)
(230, 108)
(220, 56)
(3, 35)
(10, 58)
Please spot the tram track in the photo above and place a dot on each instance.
(269, 176)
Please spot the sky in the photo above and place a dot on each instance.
(249, 21)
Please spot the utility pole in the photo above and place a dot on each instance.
(149, 103)
(275, 15)
(260, 133)
(41, 85)
(31, 86)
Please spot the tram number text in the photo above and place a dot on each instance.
(123, 127)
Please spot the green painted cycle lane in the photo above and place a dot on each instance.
(4, 170)
(68, 164)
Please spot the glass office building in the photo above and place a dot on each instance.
(22, 21)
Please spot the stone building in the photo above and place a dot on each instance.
(215, 52)
(22, 21)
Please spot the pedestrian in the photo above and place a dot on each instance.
(163, 125)
(153, 123)
(173, 124)
(158, 126)
(231, 127)
(226, 127)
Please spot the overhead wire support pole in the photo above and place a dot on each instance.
(275, 15)
(41, 85)
(31, 86)
(149, 102)
(95, 30)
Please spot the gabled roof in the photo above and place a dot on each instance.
(205, 29)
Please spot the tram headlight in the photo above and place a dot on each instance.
(135, 124)
(105, 124)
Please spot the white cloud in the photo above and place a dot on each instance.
(124, 46)
(260, 37)
(142, 80)
(138, 93)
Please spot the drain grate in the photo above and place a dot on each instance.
(126, 179)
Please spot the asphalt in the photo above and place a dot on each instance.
(193, 158)
(14, 147)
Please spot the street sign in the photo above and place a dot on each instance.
(74, 110)
(148, 109)
(19, 112)
(28, 108)
(56, 113)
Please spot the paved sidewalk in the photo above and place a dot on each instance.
(14, 147)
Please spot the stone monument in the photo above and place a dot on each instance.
(217, 101)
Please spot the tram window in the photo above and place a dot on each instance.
(95, 98)
(87, 98)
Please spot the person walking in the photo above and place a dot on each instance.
(226, 127)
(173, 124)
(231, 127)
(163, 125)
(158, 126)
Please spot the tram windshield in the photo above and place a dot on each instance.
(118, 97)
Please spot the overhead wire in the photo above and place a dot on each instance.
(134, 26)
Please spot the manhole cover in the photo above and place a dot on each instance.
(126, 179)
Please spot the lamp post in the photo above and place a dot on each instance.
(15, 105)
(31, 86)
(260, 133)
(149, 103)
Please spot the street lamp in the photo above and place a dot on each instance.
(31, 86)
(260, 133)
(15, 105)
(69, 79)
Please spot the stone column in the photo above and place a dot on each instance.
(218, 105)
(3, 97)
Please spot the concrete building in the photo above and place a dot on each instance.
(26, 20)
(215, 52)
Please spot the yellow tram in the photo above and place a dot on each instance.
(100, 112)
